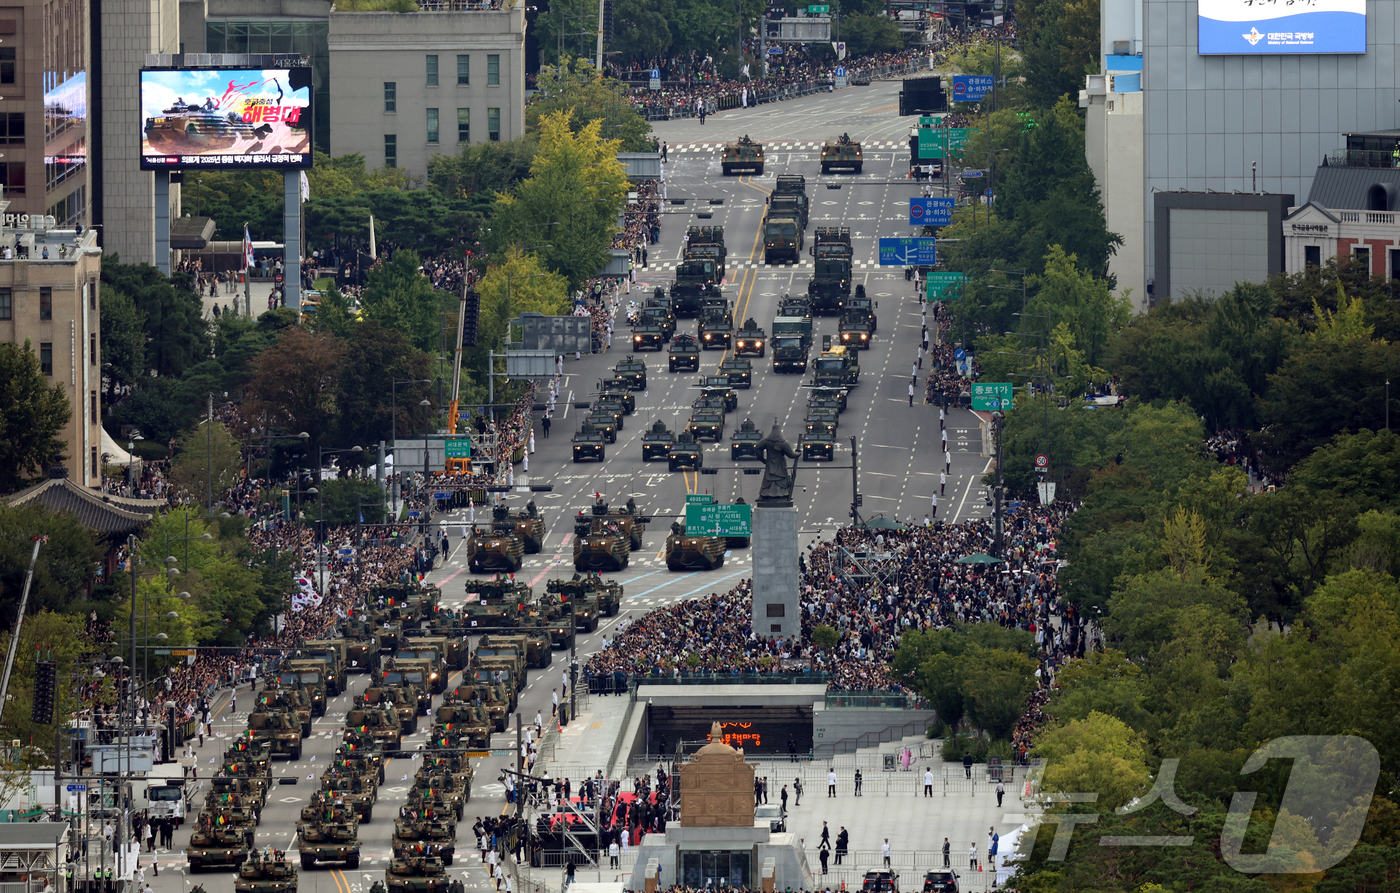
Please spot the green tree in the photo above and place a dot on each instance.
(1081, 301)
(62, 638)
(1096, 754)
(376, 356)
(824, 637)
(518, 284)
(334, 314)
(236, 198)
(1143, 612)
(996, 684)
(866, 34)
(294, 385)
(1060, 45)
(352, 500)
(400, 298)
(176, 333)
(64, 568)
(643, 30)
(33, 414)
(575, 93)
(155, 411)
(482, 169)
(208, 461)
(568, 208)
(123, 343)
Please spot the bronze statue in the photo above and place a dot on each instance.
(774, 451)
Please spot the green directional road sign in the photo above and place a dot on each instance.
(458, 447)
(819, 10)
(991, 395)
(699, 499)
(931, 140)
(944, 286)
(718, 520)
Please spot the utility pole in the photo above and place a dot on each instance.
(208, 460)
(19, 621)
(855, 484)
(998, 422)
(519, 769)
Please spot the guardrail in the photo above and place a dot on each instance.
(871, 739)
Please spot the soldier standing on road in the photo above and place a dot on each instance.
(911, 393)
(928, 782)
(797, 789)
(942, 482)
(1001, 792)
(947, 854)
(831, 782)
(545, 421)
(857, 782)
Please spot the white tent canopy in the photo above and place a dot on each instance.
(113, 453)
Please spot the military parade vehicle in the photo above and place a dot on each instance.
(750, 341)
(656, 442)
(440, 791)
(600, 544)
(684, 354)
(425, 831)
(465, 719)
(819, 441)
(351, 789)
(687, 553)
(491, 695)
(378, 723)
(332, 834)
(607, 593)
(738, 371)
(618, 390)
(502, 657)
(310, 676)
(278, 725)
(416, 874)
(795, 305)
(238, 789)
(789, 199)
(648, 336)
(280, 698)
(832, 397)
(792, 343)
(214, 845)
(494, 602)
(361, 644)
(842, 152)
(269, 872)
(537, 652)
(686, 452)
(744, 442)
(706, 243)
(494, 550)
(500, 689)
(428, 655)
(632, 371)
(716, 324)
(331, 652)
(783, 238)
(696, 280)
(836, 367)
(589, 443)
(657, 311)
(605, 423)
(717, 386)
(832, 255)
(705, 424)
(855, 330)
(741, 155)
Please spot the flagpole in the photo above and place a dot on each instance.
(247, 274)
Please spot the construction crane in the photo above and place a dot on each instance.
(470, 304)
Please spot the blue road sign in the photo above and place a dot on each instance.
(972, 87)
(839, 72)
(900, 252)
(971, 175)
(988, 193)
(959, 354)
(77, 787)
(930, 211)
(655, 73)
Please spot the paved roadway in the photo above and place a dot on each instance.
(900, 452)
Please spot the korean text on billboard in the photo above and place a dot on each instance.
(221, 117)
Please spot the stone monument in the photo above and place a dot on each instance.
(776, 607)
(717, 786)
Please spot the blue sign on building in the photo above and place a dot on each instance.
(900, 252)
(972, 87)
(930, 211)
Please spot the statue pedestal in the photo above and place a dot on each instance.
(776, 608)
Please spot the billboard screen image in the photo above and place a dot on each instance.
(223, 117)
(1252, 27)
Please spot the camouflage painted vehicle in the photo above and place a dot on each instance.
(628, 519)
(276, 725)
(648, 336)
(430, 654)
(633, 371)
(525, 524)
(425, 831)
(706, 423)
(499, 656)
(416, 874)
(590, 443)
(359, 745)
(686, 453)
(600, 544)
(742, 155)
(535, 648)
(412, 600)
(498, 697)
(494, 550)
(465, 719)
(819, 442)
(361, 644)
(431, 786)
(237, 789)
(331, 834)
(402, 699)
(414, 675)
(332, 653)
(605, 423)
(714, 387)
(824, 396)
(454, 651)
(451, 761)
(687, 553)
(269, 872)
(739, 372)
(252, 758)
(842, 152)
(309, 676)
(194, 131)
(356, 793)
(683, 354)
(744, 443)
(656, 442)
(617, 389)
(279, 698)
(602, 596)
(365, 765)
(217, 846)
(497, 601)
(379, 723)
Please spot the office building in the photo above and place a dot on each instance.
(407, 86)
(44, 136)
(50, 297)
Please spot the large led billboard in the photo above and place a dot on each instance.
(225, 117)
(1266, 27)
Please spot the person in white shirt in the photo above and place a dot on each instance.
(928, 782)
(612, 854)
(831, 783)
(885, 852)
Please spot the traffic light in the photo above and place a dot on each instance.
(45, 686)
(471, 310)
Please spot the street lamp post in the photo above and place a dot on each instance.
(394, 426)
(998, 424)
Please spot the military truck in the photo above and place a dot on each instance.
(656, 442)
(798, 305)
(648, 336)
(526, 524)
(706, 243)
(687, 553)
(332, 652)
(696, 279)
(684, 354)
(416, 874)
(738, 371)
(589, 443)
(782, 239)
(706, 424)
(217, 846)
(286, 699)
(819, 442)
(277, 725)
(310, 676)
(792, 343)
(632, 371)
(497, 601)
(361, 644)
(842, 152)
(860, 301)
(379, 723)
(685, 453)
(716, 325)
(333, 835)
(750, 341)
(744, 443)
(494, 550)
(717, 387)
(397, 698)
(600, 544)
(855, 329)
(824, 396)
(606, 423)
(536, 651)
(427, 654)
(836, 367)
(742, 155)
(417, 680)
(506, 658)
(831, 269)
(790, 203)
(425, 831)
(616, 389)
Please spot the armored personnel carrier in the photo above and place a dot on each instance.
(494, 550)
(599, 544)
(497, 601)
(688, 553)
(602, 597)
(628, 518)
(742, 155)
(416, 874)
(842, 152)
(744, 443)
(525, 524)
(213, 845)
(331, 834)
(684, 354)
